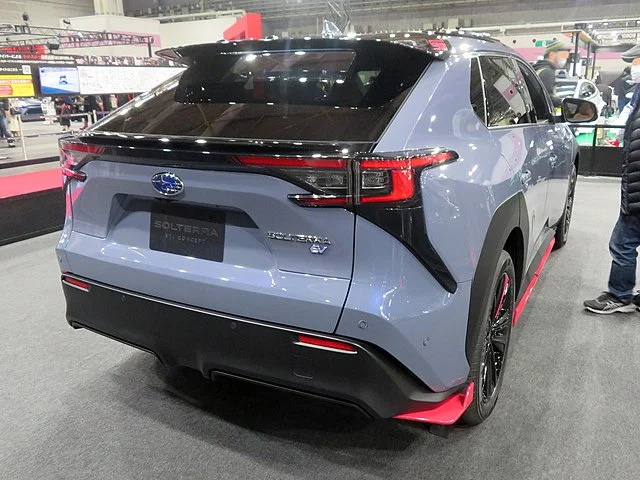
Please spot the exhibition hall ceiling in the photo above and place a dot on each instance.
(279, 9)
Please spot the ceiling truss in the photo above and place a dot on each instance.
(20, 35)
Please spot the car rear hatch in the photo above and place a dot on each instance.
(231, 186)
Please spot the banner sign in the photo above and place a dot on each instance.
(103, 80)
(6, 68)
(35, 58)
(88, 75)
(125, 61)
(16, 86)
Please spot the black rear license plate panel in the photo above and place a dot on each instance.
(187, 230)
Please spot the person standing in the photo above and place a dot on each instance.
(625, 238)
(5, 132)
(14, 117)
(556, 56)
(607, 95)
(621, 88)
(65, 110)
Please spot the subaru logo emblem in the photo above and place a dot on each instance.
(167, 184)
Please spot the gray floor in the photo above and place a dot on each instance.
(74, 405)
(40, 141)
(6, 172)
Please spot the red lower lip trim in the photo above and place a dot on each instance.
(76, 283)
(502, 295)
(525, 298)
(446, 412)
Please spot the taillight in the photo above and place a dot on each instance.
(72, 153)
(328, 178)
(395, 178)
(340, 182)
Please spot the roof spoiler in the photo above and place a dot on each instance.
(435, 45)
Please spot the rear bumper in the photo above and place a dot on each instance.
(215, 343)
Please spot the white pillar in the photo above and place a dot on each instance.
(108, 7)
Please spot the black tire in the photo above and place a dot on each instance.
(492, 342)
(562, 230)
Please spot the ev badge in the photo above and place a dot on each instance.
(318, 249)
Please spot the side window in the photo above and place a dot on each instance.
(508, 101)
(537, 93)
(477, 91)
(587, 90)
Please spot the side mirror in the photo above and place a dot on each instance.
(575, 110)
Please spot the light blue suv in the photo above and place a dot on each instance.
(358, 219)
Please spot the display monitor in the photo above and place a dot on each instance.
(59, 80)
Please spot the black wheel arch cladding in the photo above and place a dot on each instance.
(506, 220)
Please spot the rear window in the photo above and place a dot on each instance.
(334, 95)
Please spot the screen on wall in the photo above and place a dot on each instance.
(55, 80)
(103, 80)
(16, 86)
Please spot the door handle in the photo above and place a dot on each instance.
(525, 177)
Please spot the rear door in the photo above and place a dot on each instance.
(554, 145)
(228, 188)
(512, 122)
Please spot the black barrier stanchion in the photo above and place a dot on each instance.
(594, 143)
(21, 131)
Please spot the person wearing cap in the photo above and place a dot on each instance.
(625, 238)
(556, 56)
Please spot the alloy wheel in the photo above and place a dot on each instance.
(569, 207)
(497, 338)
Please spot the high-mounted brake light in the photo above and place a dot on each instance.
(72, 153)
(338, 182)
(325, 344)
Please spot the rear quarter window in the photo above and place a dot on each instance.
(508, 101)
(477, 91)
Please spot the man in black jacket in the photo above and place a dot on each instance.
(625, 238)
(621, 88)
(556, 56)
